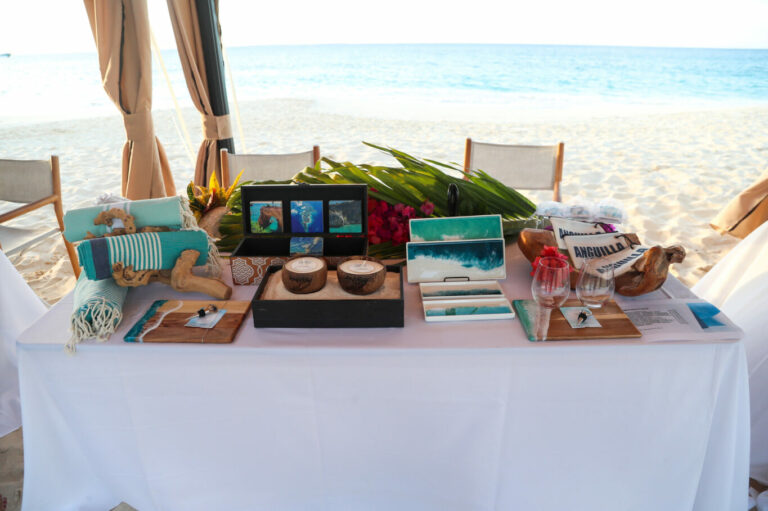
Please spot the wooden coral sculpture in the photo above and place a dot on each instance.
(179, 278)
(647, 274)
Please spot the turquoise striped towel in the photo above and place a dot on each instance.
(143, 251)
(165, 212)
(98, 309)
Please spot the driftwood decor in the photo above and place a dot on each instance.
(179, 278)
(647, 274)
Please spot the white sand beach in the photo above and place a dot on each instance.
(673, 171)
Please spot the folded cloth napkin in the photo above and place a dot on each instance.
(98, 309)
(143, 251)
(165, 212)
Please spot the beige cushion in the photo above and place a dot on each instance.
(262, 167)
(517, 166)
(25, 180)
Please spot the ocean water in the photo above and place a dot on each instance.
(36, 87)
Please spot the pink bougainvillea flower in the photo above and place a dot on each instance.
(548, 251)
(427, 208)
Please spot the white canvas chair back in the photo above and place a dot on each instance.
(263, 167)
(519, 166)
(25, 181)
(738, 286)
(33, 184)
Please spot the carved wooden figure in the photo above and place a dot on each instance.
(647, 274)
(179, 278)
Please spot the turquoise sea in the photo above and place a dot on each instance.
(450, 74)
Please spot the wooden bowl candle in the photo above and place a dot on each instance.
(303, 275)
(360, 275)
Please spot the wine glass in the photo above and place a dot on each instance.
(596, 283)
(550, 288)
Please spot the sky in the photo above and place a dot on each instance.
(61, 26)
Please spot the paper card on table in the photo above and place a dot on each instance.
(477, 227)
(613, 248)
(572, 316)
(680, 320)
(565, 228)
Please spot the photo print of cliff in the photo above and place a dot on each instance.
(266, 217)
(345, 216)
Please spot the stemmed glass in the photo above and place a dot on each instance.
(596, 283)
(550, 288)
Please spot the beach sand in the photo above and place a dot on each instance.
(673, 171)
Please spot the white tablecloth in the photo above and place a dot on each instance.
(19, 308)
(738, 285)
(430, 417)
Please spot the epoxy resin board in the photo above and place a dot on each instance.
(172, 327)
(615, 324)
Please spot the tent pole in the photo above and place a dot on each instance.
(214, 63)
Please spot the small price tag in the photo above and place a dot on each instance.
(207, 321)
(572, 316)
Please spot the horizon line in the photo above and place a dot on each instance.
(283, 45)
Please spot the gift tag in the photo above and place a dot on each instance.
(207, 321)
(572, 316)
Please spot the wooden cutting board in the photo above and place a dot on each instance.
(614, 323)
(172, 329)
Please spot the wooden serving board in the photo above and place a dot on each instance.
(172, 327)
(614, 323)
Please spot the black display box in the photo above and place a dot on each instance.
(359, 313)
(259, 250)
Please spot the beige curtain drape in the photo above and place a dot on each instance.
(746, 212)
(121, 31)
(187, 31)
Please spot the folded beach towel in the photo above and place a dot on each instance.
(165, 212)
(143, 251)
(98, 309)
(172, 212)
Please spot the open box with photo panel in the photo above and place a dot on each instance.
(282, 221)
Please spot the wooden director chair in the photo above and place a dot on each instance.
(34, 184)
(523, 167)
(265, 167)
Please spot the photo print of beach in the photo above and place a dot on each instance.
(306, 216)
(266, 217)
(468, 310)
(345, 216)
(306, 246)
(440, 260)
(456, 228)
(446, 290)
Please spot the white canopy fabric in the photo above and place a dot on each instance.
(19, 308)
(738, 285)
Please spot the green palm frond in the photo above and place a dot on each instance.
(413, 183)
